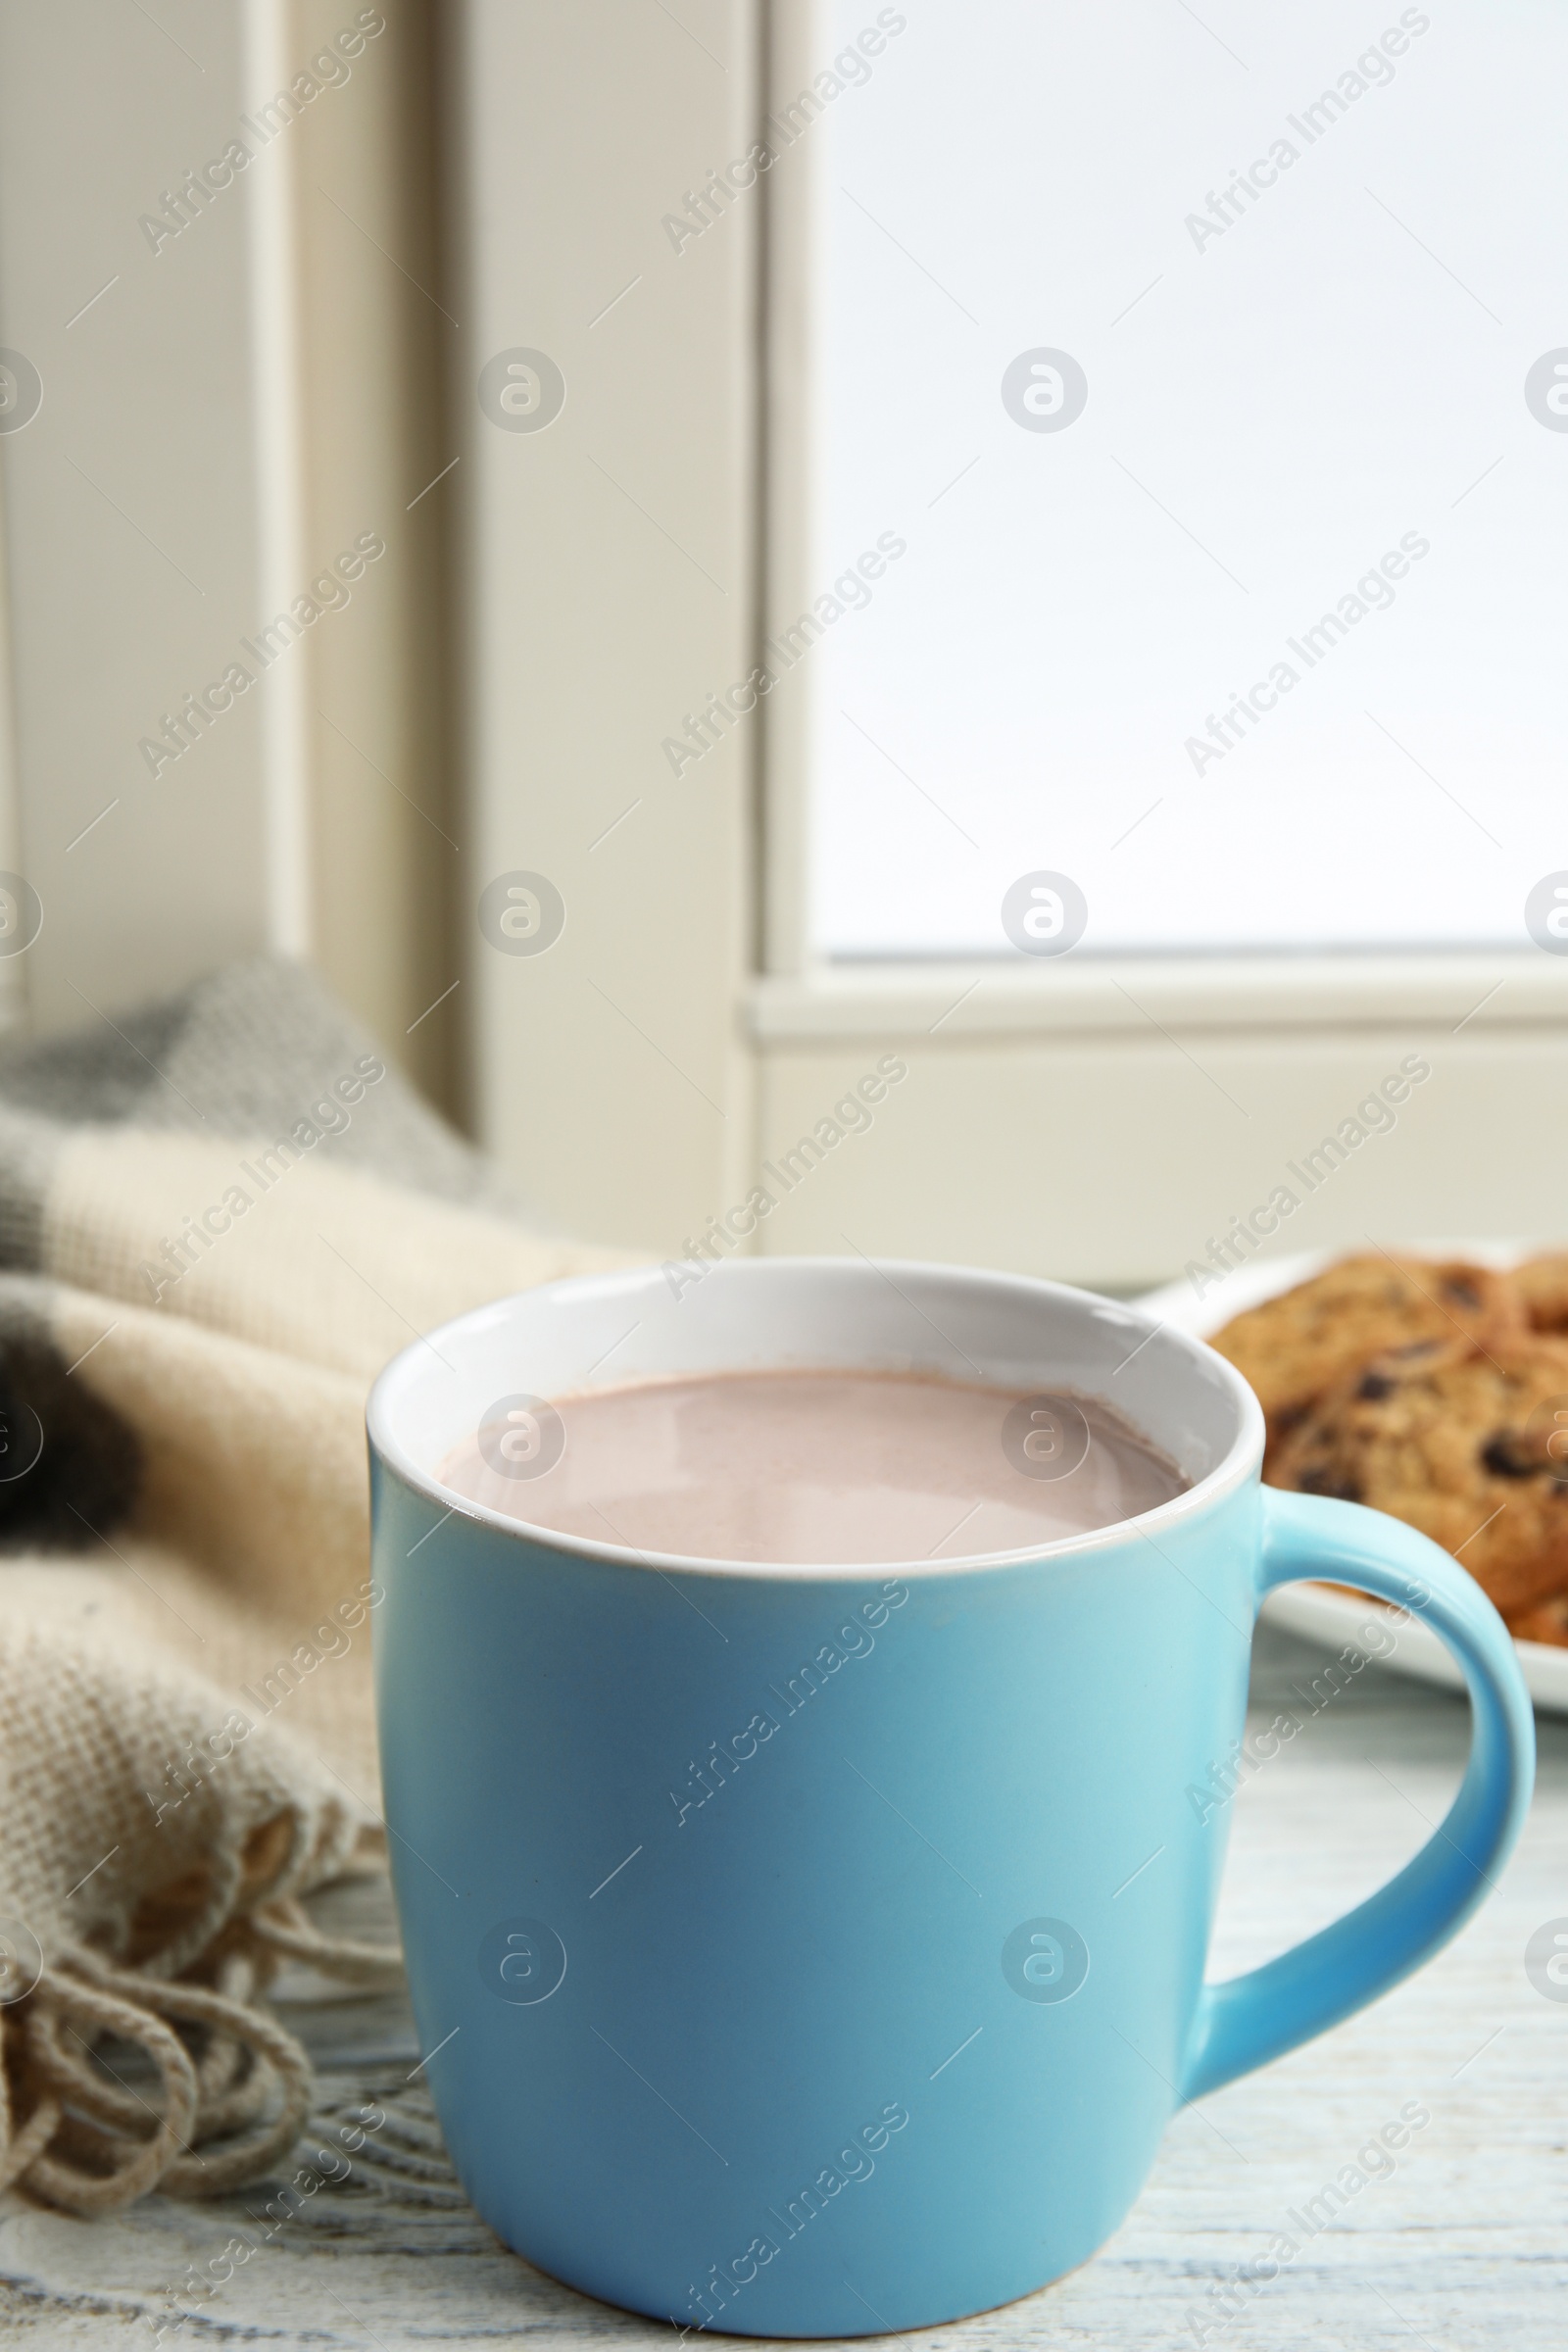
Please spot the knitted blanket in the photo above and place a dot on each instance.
(219, 1218)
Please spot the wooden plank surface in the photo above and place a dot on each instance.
(1462, 2245)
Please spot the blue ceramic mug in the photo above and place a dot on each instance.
(819, 1951)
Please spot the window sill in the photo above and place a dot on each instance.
(996, 997)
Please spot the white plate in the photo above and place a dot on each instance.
(1319, 1611)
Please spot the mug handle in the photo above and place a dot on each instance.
(1253, 2018)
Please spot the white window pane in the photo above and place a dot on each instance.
(1316, 410)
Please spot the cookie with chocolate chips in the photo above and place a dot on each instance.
(1294, 1348)
(1467, 1443)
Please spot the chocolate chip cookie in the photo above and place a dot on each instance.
(1467, 1443)
(1294, 1347)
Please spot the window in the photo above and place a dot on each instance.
(1183, 436)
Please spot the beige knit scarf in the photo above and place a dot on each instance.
(222, 1219)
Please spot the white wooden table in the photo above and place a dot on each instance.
(1465, 2245)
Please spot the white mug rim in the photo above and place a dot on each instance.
(1241, 1462)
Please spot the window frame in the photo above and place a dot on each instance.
(1094, 1119)
(800, 994)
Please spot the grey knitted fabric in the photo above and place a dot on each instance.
(243, 1052)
